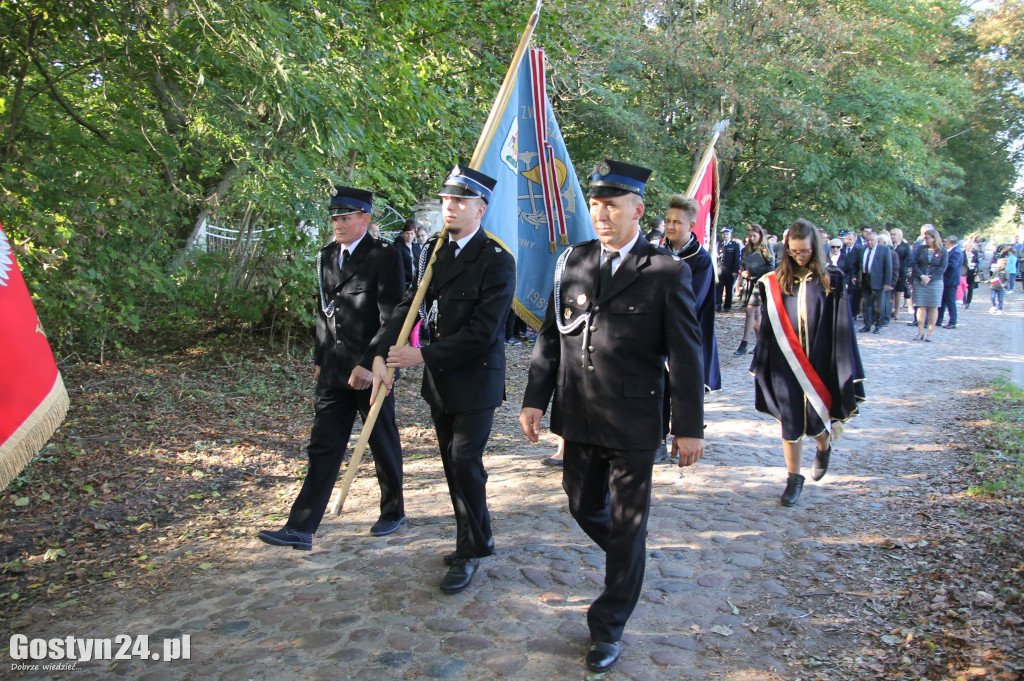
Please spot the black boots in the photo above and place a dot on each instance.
(821, 463)
(742, 349)
(794, 485)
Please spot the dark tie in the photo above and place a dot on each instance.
(344, 257)
(605, 273)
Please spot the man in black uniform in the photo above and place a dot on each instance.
(360, 281)
(465, 306)
(620, 307)
(409, 249)
(728, 268)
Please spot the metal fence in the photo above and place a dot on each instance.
(213, 238)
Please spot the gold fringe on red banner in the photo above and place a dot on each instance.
(31, 435)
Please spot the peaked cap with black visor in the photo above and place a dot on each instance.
(615, 178)
(348, 200)
(468, 183)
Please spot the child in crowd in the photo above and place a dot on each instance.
(998, 281)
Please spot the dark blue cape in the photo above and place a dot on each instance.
(703, 277)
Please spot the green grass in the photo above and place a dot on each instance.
(1000, 460)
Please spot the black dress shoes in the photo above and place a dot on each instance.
(877, 329)
(383, 527)
(821, 463)
(865, 328)
(460, 574)
(794, 485)
(286, 536)
(602, 656)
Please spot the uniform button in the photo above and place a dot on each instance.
(631, 308)
(590, 369)
(485, 363)
(593, 327)
(652, 392)
(596, 308)
(591, 348)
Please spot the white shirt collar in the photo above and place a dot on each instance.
(350, 248)
(627, 248)
(464, 240)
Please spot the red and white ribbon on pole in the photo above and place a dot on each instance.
(785, 335)
(549, 180)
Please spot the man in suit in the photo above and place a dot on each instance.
(360, 281)
(728, 268)
(466, 303)
(951, 281)
(657, 234)
(874, 263)
(619, 309)
(862, 240)
(851, 257)
(409, 248)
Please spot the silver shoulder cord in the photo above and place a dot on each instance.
(430, 316)
(328, 308)
(583, 319)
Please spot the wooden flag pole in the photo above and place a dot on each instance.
(504, 92)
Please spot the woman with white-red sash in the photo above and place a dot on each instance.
(806, 365)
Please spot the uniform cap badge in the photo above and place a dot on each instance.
(581, 299)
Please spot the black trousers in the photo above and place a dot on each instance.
(853, 291)
(873, 303)
(972, 283)
(948, 303)
(724, 287)
(462, 439)
(335, 414)
(609, 494)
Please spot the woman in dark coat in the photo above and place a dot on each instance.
(899, 291)
(806, 365)
(756, 260)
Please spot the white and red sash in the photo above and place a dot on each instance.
(785, 335)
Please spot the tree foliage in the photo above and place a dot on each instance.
(125, 125)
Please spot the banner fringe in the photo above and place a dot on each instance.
(31, 435)
(532, 320)
(553, 246)
(565, 239)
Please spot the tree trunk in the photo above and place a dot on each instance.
(230, 175)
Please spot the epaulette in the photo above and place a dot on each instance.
(495, 244)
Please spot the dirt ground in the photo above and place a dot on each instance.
(139, 518)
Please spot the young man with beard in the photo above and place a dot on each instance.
(466, 303)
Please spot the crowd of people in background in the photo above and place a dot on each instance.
(932, 278)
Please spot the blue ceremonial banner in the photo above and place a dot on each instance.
(537, 207)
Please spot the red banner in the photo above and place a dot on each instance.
(33, 400)
(706, 195)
